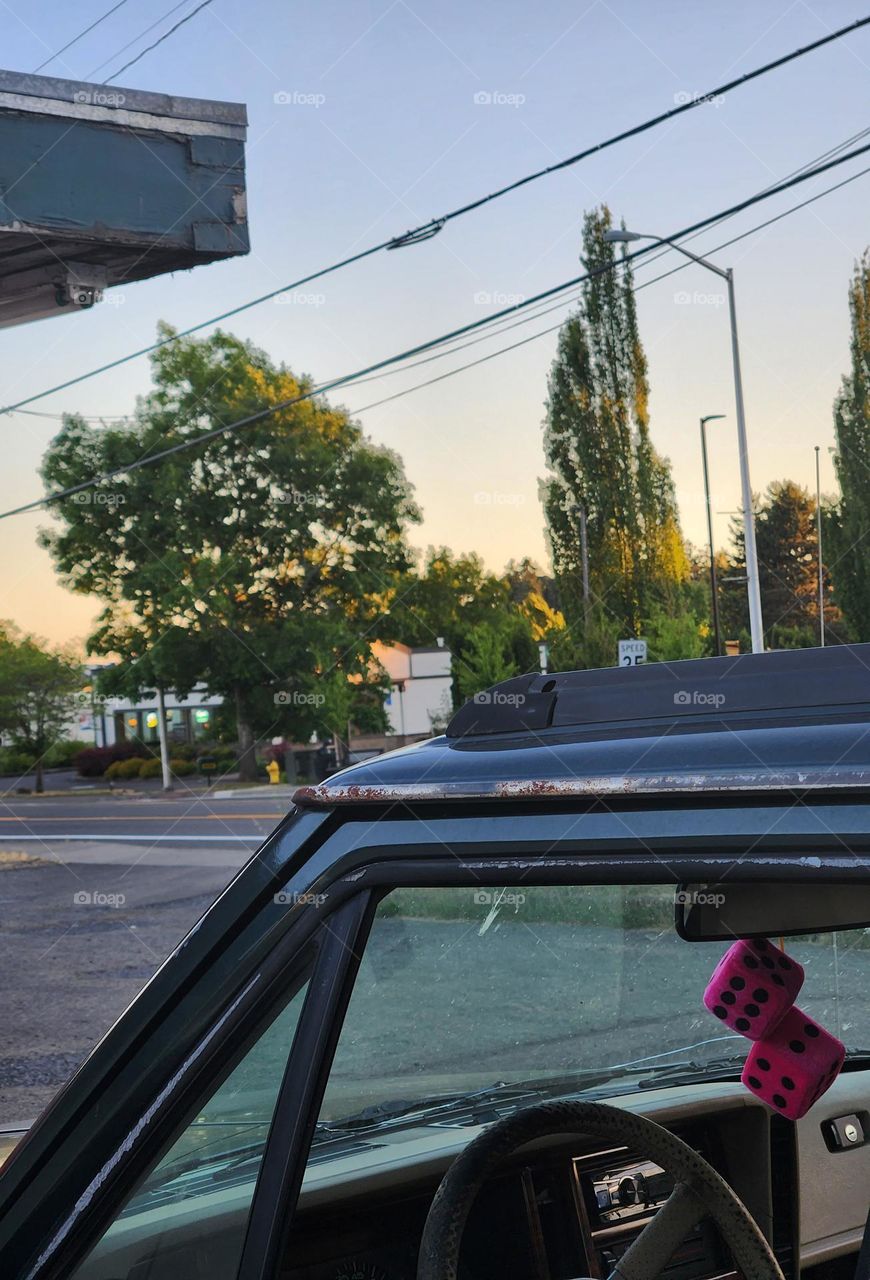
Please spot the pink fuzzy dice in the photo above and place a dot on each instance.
(793, 1066)
(753, 987)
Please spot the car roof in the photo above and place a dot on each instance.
(791, 719)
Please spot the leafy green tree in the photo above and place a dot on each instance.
(260, 562)
(850, 527)
(786, 539)
(486, 659)
(602, 460)
(38, 689)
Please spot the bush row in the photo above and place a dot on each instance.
(136, 767)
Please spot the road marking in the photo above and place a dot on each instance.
(151, 817)
(125, 838)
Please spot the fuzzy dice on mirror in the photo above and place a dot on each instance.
(793, 1066)
(753, 987)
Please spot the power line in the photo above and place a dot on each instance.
(136, 39)
(80, 35)
(389, 361)
(139, 56)
(431, 228)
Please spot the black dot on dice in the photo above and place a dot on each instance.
(787, 1082)
(754, 1081)
(719, 1011)
(760, 995)
(767, 962)
(778, 980)
(762, 1063)
(811, 1030)
(778, 1100)
(737, 983)
(728, 997)
(751, 1010)
(797, 1046)
(784, 963)
(742, 1024)
(750, 962)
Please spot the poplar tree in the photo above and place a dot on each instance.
(602, 461)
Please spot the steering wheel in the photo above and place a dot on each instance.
(699, 1191)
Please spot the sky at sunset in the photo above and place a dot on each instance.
(371, 116)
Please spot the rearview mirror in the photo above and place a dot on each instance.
(726, 911)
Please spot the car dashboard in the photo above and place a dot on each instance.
(566, 1207)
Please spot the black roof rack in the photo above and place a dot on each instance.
(779, 685)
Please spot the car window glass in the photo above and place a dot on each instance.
(188, 1217)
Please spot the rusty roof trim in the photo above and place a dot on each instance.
(588, 786)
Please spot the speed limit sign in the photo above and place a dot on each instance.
(632, 652)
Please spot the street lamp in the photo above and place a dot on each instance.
(756, 625)
(714, 591)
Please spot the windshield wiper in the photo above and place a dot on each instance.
(382, 1114)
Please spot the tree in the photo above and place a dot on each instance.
(258, 562)
(786, 540)
(38, 688)
(486, 660)
(850, 527)
(603, 463)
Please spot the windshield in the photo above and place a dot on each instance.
(561, 988)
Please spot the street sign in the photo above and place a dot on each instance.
(632, 652)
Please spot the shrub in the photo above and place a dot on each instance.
(93, 761)
(16, 762)
(121, 770)
(182, 751)
(151, 768)
(63, 753)
(181, 768)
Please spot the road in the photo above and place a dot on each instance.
(177, 820)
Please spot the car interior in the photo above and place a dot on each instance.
(550, 1022)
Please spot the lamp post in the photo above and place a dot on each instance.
(756, 625)
(714, 589)
(819, 554)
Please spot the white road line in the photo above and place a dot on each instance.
(51, 836)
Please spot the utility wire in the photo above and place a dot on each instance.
(136, 39)
(139, 56)
(351, 378)
(431, 228)
(80, 35)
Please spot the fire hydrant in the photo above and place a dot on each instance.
(274, 771)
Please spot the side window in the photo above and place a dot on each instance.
(187, 1219)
